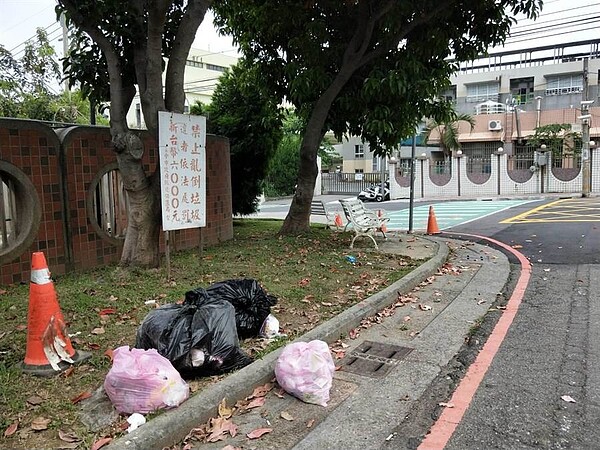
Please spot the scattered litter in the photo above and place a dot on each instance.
(546, 270)
(135, 421)
(568, 399)
(270, 328)
(143, 381)
(446, 405)
(390, 437)
(305, 370)
(150, 302)
(351, 259)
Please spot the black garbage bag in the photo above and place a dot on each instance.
(251, 302)
(199, 337)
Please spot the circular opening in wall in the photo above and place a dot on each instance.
(107, 204)
(20, 212)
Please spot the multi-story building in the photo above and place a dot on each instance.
(509, 94)
(202, 72)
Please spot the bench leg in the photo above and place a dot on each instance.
(366, 235)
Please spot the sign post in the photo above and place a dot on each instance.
(182, 152)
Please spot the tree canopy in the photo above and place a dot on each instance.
(26, 82)
(371, 68)
(248, 114)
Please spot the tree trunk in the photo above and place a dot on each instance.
(141, 247)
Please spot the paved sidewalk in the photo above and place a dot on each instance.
(441, 302)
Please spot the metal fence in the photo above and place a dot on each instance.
(348, 183)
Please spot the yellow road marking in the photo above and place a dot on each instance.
(574, 211)
(521, 216)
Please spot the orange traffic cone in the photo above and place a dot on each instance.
(338, 221)
(49, 348)
(432, 226)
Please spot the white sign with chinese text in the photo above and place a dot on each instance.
(182, 152)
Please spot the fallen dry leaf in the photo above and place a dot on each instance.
(40, 423)
(220, 428)
(406, 318)
(287, 416)
(261, 391)
(310, 423)
(257, 402)
(12, 428)
(255, 434)
(35, 400)
(224, 411)
(279, 393)
(98, 330)
(80, 397)
(109, 354)
(568, 399)
(68, 436)
(106, 311)
(67, 373)
(517, 246)
(100, 443)
(230, 447)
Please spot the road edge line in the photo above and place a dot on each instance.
(445, 426)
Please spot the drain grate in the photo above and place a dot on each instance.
(374, 359)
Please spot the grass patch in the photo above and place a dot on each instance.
(309, 274)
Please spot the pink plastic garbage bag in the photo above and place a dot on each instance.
(141, 381)
(305, 370)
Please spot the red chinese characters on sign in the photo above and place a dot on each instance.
(182, 141)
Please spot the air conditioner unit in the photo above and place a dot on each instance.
(494, 125)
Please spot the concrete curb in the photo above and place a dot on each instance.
(172, 426)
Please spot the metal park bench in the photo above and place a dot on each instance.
(317, 208)
(363, 221)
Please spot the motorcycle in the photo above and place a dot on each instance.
(373, 193)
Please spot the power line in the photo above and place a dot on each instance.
(558, 26)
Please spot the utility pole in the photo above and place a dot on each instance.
(411, 202)
(65, 39)
(585, 134)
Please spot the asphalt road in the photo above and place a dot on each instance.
(543, 387)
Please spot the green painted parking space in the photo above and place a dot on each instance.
(449, 214)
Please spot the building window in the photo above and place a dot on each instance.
(564, 84)
(522, 90)
(215, 67)
(359, 151)
(482, 92)
(192, 63)
(138, 115)
(449, 94)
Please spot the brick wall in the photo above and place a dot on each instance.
(62, 167)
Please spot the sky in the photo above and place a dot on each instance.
(19, 20)
(560, 21)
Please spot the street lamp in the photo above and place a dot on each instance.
(499, 153)
(542, 160)
(459, 154)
